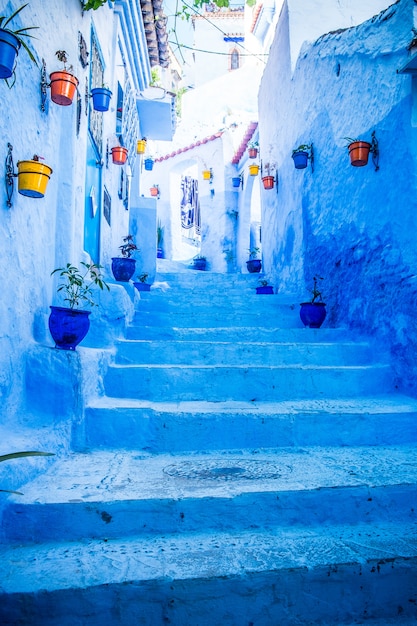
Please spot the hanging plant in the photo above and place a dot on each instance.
(10, 43)
(63, 83)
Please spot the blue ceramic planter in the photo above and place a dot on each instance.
(68, 327)
(300, 159)
(200, 264)
(142, 286)
(9, 48)
(123, 268)
(236, 181)
(313, 314)
(149, 164)
(267, 289)
(254, 266)
(101, 98)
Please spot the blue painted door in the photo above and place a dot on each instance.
(93, 202)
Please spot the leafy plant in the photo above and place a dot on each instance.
(19, 34)
(93, 4)
(159, 234)
(253, 253)
(199, 257)
(18, 455)
(263, 282)
(316, 293)
(302, 148)
(77, 285)
(253, 145)
(349, 140)
(142, 277)
(128, 246)
(63, 57)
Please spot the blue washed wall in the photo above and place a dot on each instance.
(355, 227)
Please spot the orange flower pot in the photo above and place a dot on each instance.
(359, 153)
(63, 87)
(253, 153)
(268, 182)
(154, 191)
(119, 155)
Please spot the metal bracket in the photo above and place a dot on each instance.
(86, 95)
(311, 157)
(375, 151)
(44, 85)
(10, 174)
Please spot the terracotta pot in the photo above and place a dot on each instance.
(154, 191)
(359, 153)
(119, 155)
(63, 87)
(268, 182)
(253, 153)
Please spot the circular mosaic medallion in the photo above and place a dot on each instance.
(223, 469)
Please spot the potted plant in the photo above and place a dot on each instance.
(119, 155)
(313, 313)
(141, 145)
(254, 169)
(123, 267)
(207, 174)
(253, 147)
(10, 43)
(63, 82)
(254, 264)
(264, 287)
(300, 156)
(142, 285)
(358, 151)
(236, 181)
(159, 240)
(154, 191)
(101, 98)
(268, 180)
(200, 262)
(33, 177)
(69, 325)
(148, 162)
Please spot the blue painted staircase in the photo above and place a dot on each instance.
(237, 470)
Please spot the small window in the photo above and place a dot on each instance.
(234, 60)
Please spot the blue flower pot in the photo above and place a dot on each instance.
(268, 289)
(149, 164)
(254, 266)
(9, 48)
(68, 327)
(200, 264)
(313, 314)
(300, 159)
(236, 181)
(123, 268)
(101, 98)
(159, 253)
(142, 286)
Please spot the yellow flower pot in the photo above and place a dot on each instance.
(253, 170)
(141, 146)
(33, 178)
(206, 174)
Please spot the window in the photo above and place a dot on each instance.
(234, 60)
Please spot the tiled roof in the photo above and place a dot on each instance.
(256, 13)
(244, 143)
(155, 22)
(190, 147)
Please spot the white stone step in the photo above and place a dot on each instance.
(162, 427)
(105, 494)
(288, 576)
(244, 382)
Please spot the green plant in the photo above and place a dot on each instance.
(18, 455)
(302, 148)
(263, 282)
(142, 277)
(19, 34)
(253, 253)
(253, 145)
(63, 57)
(199, 257)
(128, 246)
(77, 285)
(316, 293)
(349, 140)
(93, 4)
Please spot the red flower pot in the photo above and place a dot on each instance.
(268, 182)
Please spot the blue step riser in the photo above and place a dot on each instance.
(259, 333)
(321, 595)
(231, 383)
(76, 521)
(207, 353)
(217, 319)
(158, 433)
(271, 304)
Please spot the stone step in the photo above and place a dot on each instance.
(288, 576)
(244, 382)
(110, 494)
(162, 427)
(256, 353)
(203, 302)
(249, 333)
(207, 280)
(223, 318)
